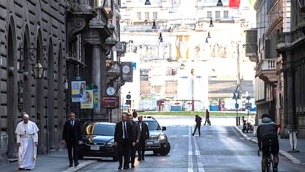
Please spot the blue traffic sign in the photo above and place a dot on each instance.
(236, 105)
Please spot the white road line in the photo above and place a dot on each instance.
(190, 154)
(199, 160)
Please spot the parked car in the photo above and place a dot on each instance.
(158, 141)
(98, 140)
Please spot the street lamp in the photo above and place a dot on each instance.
(38, 70)
(147, 2)
(219, 3)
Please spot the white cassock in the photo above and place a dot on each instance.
(27, 134)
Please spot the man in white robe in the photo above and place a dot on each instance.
(27, 140)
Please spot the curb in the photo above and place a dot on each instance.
(281, 152)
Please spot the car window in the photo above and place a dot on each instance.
(104, 130)
(153, 125)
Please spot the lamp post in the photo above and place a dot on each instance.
(248, 106)
(192, 73)
(219, 3)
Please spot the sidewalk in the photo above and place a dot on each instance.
(56, 161)
(285, 147)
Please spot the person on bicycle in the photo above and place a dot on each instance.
(266, 131)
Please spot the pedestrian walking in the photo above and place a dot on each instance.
(198, 120)
(72, 138)
(135, 132)
(142, 137)
(207, 117)
(123, 140)
(27, 140)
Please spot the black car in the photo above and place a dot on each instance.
(98, 140)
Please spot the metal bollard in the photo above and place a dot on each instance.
(293, 140)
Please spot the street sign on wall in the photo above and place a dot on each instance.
(110, 102)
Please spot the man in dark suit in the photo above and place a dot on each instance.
(135, 132)
(123, 138)
(142, 137)
(72, 137)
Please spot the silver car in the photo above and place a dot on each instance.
(158, 141)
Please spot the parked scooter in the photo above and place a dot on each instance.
(247, 127)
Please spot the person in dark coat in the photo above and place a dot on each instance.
(135, 132)
(123, 138)
(267, 134)
(142, 137)
(72, 138)
(198, 120)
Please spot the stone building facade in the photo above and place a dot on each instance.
(31, 32)
(72, 40)
(290, 44)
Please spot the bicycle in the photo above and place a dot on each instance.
(269, 164)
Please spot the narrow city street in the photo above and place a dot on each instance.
(219, 148)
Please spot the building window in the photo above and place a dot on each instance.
(155, 15)
(209, 14)
(226, 14)
(139, 15)
(146, 15)
(217, 14)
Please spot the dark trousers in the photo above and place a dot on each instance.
(72, 147)
(141, 148)
(132, 154)
(197, 127)
(123, 150)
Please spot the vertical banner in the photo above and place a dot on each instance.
(88, 103)
(127, 71)
(78, 89)
(95, 98)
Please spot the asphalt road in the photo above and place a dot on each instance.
(219, 148)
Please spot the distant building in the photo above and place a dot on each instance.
(183, 53)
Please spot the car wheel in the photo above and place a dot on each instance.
(165, 149)
(155, 152)
(80, 156)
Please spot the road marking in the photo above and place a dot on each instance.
(190, 153)
(196, 151)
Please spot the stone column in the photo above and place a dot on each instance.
(289, 94)
(96, 71)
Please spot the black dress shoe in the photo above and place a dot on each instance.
(139, 159)
(132, 166)
(21, 168)
(27, 169)
(76, 164)
(70, 165)
(120, 167)
(126, 167)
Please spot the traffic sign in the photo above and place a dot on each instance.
(128, 96)
(236, 105)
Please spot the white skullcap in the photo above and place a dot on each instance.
(26, 115)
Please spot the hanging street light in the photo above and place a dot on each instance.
(38, 70)
(147, 2)
(160, 37)
(219, 3)
(154, 25)
(211, 23)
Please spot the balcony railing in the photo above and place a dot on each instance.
(268, 64)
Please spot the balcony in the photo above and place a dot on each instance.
(266, 70)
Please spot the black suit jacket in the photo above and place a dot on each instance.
(118, 133)
(144, 134)
(70, 131)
